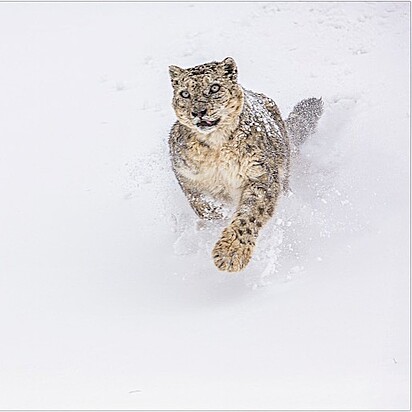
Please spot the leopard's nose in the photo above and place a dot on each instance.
(198, 113)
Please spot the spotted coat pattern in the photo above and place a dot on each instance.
(228, 146)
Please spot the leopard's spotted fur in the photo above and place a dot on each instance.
(231, 145)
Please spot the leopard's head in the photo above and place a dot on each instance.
(207, 97)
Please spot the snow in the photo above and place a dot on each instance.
(109, 298)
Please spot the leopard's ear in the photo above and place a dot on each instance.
(175, 72)
(230, 68)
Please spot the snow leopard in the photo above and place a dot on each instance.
(231, 146)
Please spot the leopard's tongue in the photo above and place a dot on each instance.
(207, 122)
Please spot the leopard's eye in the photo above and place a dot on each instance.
(214, 88)
(185, 94)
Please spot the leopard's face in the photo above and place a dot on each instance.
(207, 97)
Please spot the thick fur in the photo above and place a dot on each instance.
(231, 146)
(303, 119)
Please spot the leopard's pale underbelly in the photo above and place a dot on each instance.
(223, 181)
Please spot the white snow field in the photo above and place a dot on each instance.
(109, 298)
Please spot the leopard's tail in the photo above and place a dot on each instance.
(303, 119)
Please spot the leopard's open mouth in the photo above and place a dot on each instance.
(207, 124)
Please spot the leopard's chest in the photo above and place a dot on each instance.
(217, 172)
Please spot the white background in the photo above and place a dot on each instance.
(108, 294)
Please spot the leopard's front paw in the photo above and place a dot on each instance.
(232, 252)
(209, 212)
